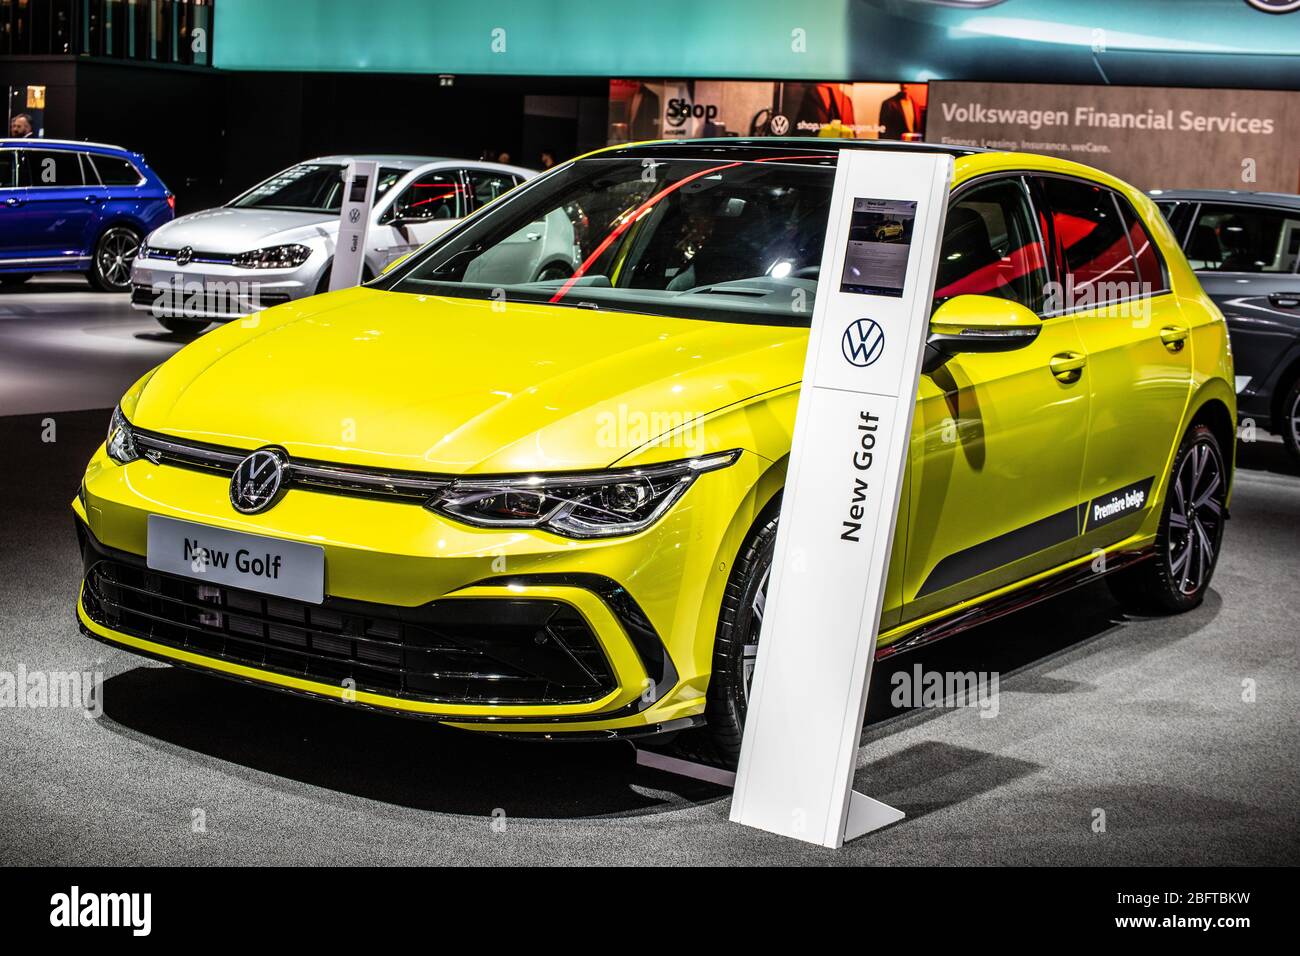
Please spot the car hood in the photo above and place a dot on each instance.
(227, 229)
(426, 383)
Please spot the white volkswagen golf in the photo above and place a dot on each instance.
(275, 242)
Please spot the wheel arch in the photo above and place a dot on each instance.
(1215, 407)
(1282, 383)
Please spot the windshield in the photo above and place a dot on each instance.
(310, 187)
(698, 238)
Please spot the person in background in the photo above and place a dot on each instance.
(547, 159)
(20, 127)
(504, 158)
(902, 116)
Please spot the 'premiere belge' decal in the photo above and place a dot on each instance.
(1111, 507)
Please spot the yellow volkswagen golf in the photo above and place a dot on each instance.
(527, 481)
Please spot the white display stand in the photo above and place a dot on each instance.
(354, 221)
(840, 504)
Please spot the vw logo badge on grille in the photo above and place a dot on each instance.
(862, 342)
(183, 256)
(256, 483)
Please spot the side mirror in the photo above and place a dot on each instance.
(978, 323)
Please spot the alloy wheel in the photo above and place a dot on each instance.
(1196, 517)
(117, 250)
(749, 653)
(1293, 417)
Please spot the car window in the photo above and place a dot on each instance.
(1233, 238)
(1093, 241)
(53, 167)
(990, 247)
(388, 175)
(487, 186)
(114, 170)
(1150, 263)
(8, 168)
(434, 195)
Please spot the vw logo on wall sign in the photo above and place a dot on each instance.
(257, 482)
(183, 256)
(1275, 6)
(862, 342)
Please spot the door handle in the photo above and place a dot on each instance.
(92, 199)
(1284, 300)
(1173, 337)
(1067, 366)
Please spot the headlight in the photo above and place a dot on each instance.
(592, 505)
(120, 443)
(273, 257)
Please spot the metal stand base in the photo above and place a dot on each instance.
(657, 760)
(866, 814)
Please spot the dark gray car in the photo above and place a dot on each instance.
(1244, 247)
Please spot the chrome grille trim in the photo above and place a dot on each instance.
(358, 481)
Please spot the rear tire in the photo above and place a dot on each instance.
(184, 326)
(736, 646)
(110, 268)
(1190, 534)
(1289, 421)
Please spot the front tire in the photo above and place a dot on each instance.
(110, 269)
(1190, 534)
(1289, 421)
(736, 646)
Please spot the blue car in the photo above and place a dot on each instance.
(76, 207)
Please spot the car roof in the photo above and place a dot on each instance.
(35, 142)
(1288, 200)
(758, 147)
(401, 161)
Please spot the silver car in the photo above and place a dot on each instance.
(275, 242)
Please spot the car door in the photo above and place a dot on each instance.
(1137, 342)
(60, 213)
(13, 238)
(998, 438)
(1245, 257)
(426, 207)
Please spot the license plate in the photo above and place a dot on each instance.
(236, 559)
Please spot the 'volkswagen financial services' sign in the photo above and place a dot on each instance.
(841, 500)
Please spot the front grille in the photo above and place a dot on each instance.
(466, 651)
(408, 486)
(207, 258)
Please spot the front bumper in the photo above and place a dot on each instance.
(218, 291)
(517, 632)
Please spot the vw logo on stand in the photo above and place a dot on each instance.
(257, 481)
(183, 256)
(862, 342)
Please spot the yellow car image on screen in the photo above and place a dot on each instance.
(546, 505)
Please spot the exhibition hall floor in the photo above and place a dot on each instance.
(1116, 740)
